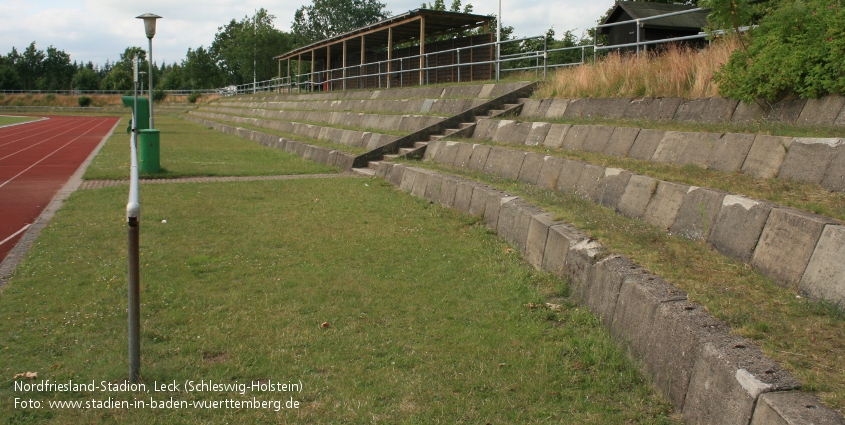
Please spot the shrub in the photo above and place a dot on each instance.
(796, 50)
(84, 101)
(194, 97)
(159, 95)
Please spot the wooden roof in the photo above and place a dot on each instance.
(406, 27)
(639, 10)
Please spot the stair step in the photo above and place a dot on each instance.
(403, 151)
(494, 112)
(364, 171)
(466, 124)
(451, 131)
(522, 100)
(418, 145)
(389, 157)
(373, 164)
(435, 138)
(510, 105)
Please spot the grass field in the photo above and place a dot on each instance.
(386, 308)
(190, 149)
(6, 120)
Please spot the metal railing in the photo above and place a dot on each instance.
(133, 221)
(105, 92)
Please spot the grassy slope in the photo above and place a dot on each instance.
(426, 310)
(189, 149)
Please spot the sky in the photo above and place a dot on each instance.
(100, 30)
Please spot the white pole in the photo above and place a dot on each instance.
(498, 40)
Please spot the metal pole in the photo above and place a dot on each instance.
(638, 37)
(458, 55)
(545, 56)
(150, 62)
(133, 215)
(499, 41)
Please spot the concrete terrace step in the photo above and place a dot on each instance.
(795, 248)
(809, 160)
(369, 172)
(709, 375)
(409, 106)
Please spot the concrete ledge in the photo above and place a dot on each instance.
(738, 226)
(570, 173)
(558, 242)
(604, 281)
(479, 157)
(637, 195)
(766, 156)
(646, 144)
(698, 213)
(549, 172)
(786, 244)
(621, 141)
(538, 233)
(729, 152)
(589, 181)
(834, 177)
(824, 278)
(808, 159)
(609, 192)
(664, 205)
(793, 408)
(532, 164)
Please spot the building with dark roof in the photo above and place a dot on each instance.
(673, 26)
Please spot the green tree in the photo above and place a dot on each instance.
(201, 70)
(120, 77)
(327, 18)
(9, 79)
(30, 66)
(86, 79)
(245, 49)
(57, 71)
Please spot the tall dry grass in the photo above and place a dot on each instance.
(673, 72)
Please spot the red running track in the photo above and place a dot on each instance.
(36, 160)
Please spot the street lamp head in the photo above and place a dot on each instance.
(149, 23)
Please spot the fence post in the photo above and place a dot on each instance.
(545, 56)
(459, 64)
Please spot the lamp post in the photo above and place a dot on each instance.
(499, 41)
(150, 29)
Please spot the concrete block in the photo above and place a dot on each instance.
(384, 169)
(808, 159)
(748, 112)
(691, 110)
(463, 196)
(560, 238)
(738, 226)
(537, 133)
(683, 148)
(621, 141)
(663, 207)
(580, 260)
(718, 110)
(658, 109)
(483, 128)
(448, 190)
(503, 131)
(637, 195)
(821, 112)
(612, 107)
(531, 167)
(462, 155)
(728, 376)
(512, 164)
(793, 408)
(766, 156)
(432, 188)
(646, 144)
(431, 150)
(604, 281)
(478, 204)
(515, 230)
(557, 132)
(408, 177)
(446, 153)
(558, 108)
(786, 244)
(529, 108)
(590, 179)
(597, 138)
(538, 232)
(834, 176)
(544, 107)
(575, 137)
(570, 173)
(634, 318)
(679, 330)
(513, 133)
(698, 213)
(729, 152)
(787, 110)
(609, 192)
(494, 161)
(549, 172)
(495, 212)
(420, 182)
(478, 157)
(574, 109)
